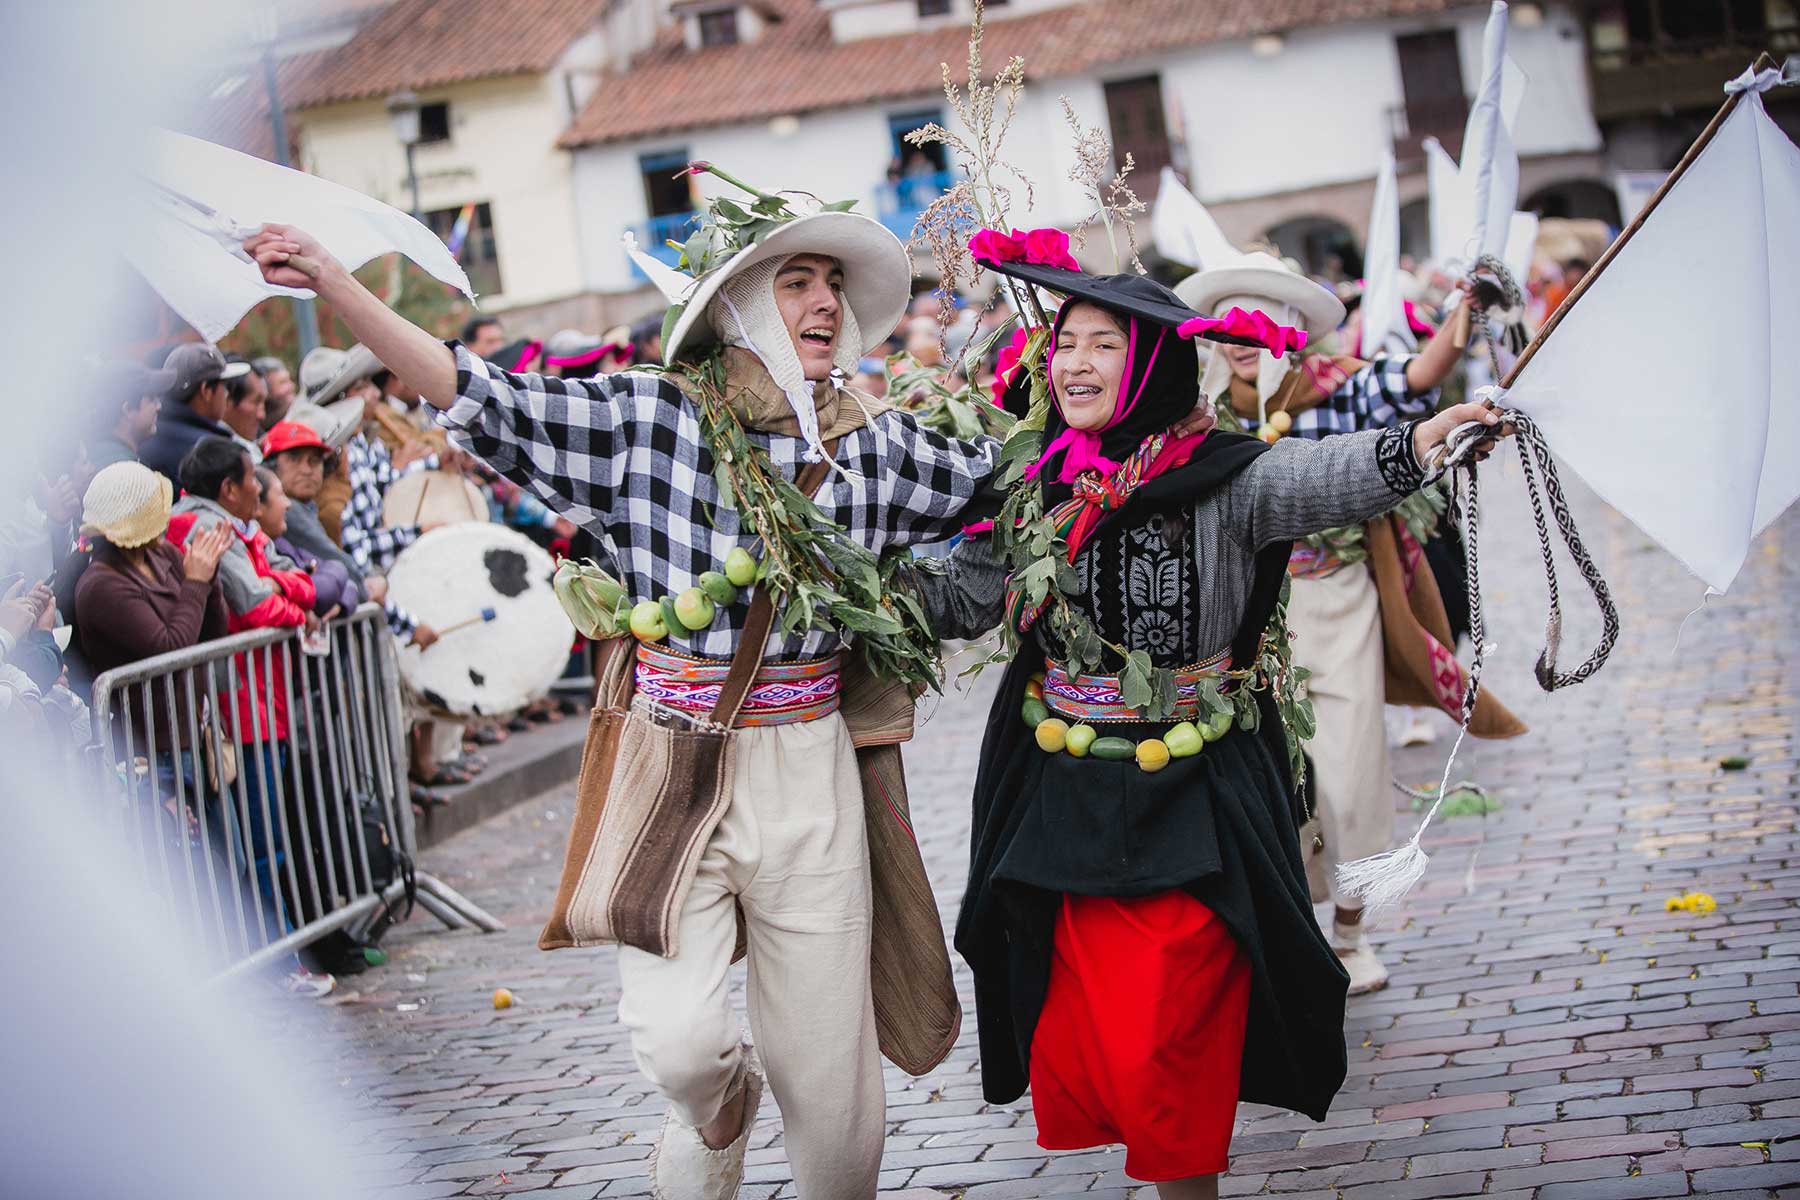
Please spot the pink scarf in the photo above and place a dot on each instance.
(1080, 448)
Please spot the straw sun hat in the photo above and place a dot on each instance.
(127, 504)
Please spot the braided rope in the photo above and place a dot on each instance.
(1384, 879)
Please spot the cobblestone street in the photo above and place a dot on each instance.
(1550, 1029)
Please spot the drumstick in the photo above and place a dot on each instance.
(481, 618)
(419, 508)
(306, 266)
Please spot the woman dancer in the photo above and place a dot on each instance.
(1139, 927)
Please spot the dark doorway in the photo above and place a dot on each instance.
(1431, 78)
(1134, 109)
(665, 191)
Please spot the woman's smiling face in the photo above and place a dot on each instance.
(1088, 366)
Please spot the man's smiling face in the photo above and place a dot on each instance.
(809, 293)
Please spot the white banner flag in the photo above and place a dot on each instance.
(192, 202)
(1183, 230)
(1660, 385)
(1383, 308)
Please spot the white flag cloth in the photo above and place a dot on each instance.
(1184, 231)
(192, 258)
(1660, 386)
(1383, 308)
(1490, 165)
(1472, 205)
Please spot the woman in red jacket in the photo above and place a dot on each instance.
(220, 489)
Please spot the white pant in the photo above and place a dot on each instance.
(792, 851)
(1336, 622)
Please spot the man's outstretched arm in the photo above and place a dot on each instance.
(403, 348)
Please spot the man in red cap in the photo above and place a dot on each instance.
(297, 456)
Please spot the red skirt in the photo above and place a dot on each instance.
(1142, 1034)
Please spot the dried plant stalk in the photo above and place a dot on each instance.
(1113, 198)
(983, 198)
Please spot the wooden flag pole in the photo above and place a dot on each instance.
(1764, 62)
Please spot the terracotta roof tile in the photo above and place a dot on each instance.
(797, 67)
(430, 43)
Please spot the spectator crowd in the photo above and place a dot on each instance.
(207, 495)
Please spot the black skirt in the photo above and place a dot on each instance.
(1220, 826)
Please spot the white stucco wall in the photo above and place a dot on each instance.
(502, 151)
(835, 155)
(1314, 115)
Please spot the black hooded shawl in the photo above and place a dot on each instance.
(1221, 825)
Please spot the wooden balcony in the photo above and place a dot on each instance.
(1644, 81)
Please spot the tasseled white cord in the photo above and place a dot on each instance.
(1383, 880)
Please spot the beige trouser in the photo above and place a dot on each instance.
(792, 851)
(1336, 622)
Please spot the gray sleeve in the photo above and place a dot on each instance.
(1301, 486)
(964, 596)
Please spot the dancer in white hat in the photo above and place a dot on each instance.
(683, 476)
(1334, 610)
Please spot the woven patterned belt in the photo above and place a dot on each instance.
(784, 692)
(1092, 699)
(1311, 562)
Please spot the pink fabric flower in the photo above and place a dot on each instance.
(1415, 320)
(1038, 247)
(1008, 360)
(1049, 248)
(990, 245)
(1256, 325)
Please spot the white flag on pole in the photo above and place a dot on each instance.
(1660, 385)
(1490, 165)
(1472, 205)
(1184, 231)
(1383, 308)
(191, 202)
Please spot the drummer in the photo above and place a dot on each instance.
(372, 471)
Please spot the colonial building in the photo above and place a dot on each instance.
(550, 128)
(1276, 114)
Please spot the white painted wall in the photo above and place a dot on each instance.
(1314, 115)
(502, 150)
(838, 155)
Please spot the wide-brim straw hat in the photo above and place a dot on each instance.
(127, 504)
(877, 276)
(1262, 276)
(326, 372)
(335, 423)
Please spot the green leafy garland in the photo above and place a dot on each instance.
(1037, 558)
(817, 574)
(956, 412)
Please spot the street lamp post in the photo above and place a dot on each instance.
(306, 319)
(403, 111)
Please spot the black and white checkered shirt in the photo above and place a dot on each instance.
(622, 457)
(372, 472)
(1373, 397)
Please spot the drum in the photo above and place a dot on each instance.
(426, 496)
(503, 637)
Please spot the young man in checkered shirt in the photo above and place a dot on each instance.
(1333, 610)
(623, 456)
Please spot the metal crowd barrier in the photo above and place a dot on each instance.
(312, 832)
